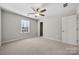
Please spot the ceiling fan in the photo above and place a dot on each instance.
(38, 12)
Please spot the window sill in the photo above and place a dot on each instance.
(24, 32)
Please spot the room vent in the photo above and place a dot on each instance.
(65, 4)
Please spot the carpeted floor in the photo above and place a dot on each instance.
(37, 46)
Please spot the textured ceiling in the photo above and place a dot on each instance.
(53, 9)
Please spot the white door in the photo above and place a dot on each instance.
(69, 29)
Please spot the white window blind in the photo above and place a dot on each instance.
(25, 26)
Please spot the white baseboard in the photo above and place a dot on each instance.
(51, 38)
(69, 43)
(57, 40)
(33, 37)
(10, 40)
(13, 40)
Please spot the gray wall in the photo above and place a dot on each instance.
(11, 27)
(0, 26)
(51, 27)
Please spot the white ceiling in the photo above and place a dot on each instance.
(53, 9)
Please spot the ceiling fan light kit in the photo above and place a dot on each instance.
(37, 14)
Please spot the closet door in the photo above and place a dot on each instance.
(69, 29)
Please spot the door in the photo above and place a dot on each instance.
(69, 29)
(41, 28)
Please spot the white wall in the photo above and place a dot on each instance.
(51, 27)
(0, 26)
(11, 27)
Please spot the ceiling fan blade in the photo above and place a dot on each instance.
(35, 16)
(42, 14)
(43, 10)
(33, 9)
(37, 9)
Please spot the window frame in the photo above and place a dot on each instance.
(21, 26)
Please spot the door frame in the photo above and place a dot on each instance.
(0, 27)
(41, 29)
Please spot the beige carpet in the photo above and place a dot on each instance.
(37, 46)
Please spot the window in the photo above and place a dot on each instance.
(25, 26)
